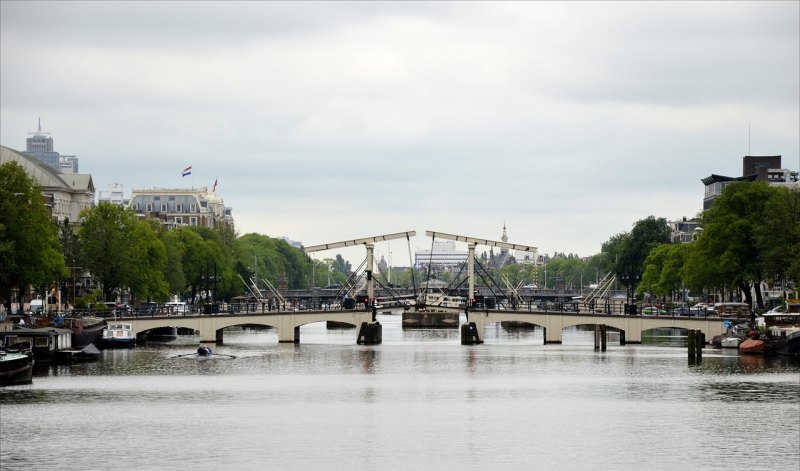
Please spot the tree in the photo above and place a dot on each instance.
(778, 239)
(663, 269)
(728, 247)
(626, 252)
(174, 272)
(197, 257)
(342, 265)
(71, 249)
(149, 263)
(30, 252)
(646, 234)
(122, 252)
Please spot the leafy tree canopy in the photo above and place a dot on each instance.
(30, 251)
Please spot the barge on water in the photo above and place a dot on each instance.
(46, 343)
(16, 367)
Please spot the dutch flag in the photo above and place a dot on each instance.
(187, 171)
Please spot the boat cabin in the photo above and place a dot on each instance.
(432, 299)
(45, 342)
(117, 335)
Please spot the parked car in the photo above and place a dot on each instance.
(653, 311)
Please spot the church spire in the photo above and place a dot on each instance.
(504, 238)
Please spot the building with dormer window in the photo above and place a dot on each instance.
(176, 207)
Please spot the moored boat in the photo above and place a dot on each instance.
(783, 329)
(752, 346)
(730, 342)
(85, 330)
(45, 342)
(16, 367)
(85, 354)
(118, 335)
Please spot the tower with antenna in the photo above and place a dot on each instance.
(40, 147)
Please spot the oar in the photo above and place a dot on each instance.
(212, 354)
(223, 355)
(184, 355)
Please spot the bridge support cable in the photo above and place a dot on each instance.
(351, 285)
(446, 291)
(472, 242)
(253, 290)
(390, 292)
(514, 291)
(274, 291)
(430, 263)
(489, 284)
(369, 243)
(600, 291)
(411, 267)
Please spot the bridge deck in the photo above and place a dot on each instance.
(210, 327)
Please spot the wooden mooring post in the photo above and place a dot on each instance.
(695, 342)
(600, 337)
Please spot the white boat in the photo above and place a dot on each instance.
(118, 335)
(440, 300)
(731, 342)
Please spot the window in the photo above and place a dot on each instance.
(163, 207)
(172, 198)
(136, 206)
(149, 207)
(192, 221)
(178, 220)
(193, 208)
(178, 207)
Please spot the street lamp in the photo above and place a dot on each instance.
(630, 281)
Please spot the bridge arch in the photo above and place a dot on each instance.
(631, 327)
(210, 327)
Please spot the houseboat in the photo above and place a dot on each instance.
(85, 330)
(118, 335)
(46, 343)
(783, 329)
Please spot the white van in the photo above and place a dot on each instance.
(177, 308)
(36, 305)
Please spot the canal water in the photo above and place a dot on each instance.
(418, 401)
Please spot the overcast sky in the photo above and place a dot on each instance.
(329, 121)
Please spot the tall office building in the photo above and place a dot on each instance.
(40, 147)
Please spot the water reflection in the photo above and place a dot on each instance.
(420, 392)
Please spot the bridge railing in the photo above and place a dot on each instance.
(608, 308)
(214, 309)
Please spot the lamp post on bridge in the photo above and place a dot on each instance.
(630, 281)
(207, 277)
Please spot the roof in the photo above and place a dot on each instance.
(721, 178)
(42, 331)
(45, 176)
